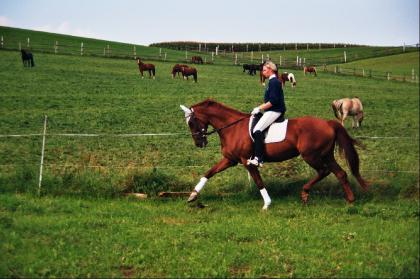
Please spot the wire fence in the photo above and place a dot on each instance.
(139, 166)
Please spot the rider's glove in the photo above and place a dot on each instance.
(256, 111)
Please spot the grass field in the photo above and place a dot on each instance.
(82, 226)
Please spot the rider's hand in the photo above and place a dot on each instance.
(256, 111)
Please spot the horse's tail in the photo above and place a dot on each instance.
(335, 109)
(347, 143)
(32, 61)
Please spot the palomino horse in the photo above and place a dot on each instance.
(197, 59)
(313, 138)
(309, 70)
(27, 58)
(349, 107)
(287, 77)
(178, 69)
(189, 71)
(146, 67)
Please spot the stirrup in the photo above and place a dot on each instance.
(254, 162)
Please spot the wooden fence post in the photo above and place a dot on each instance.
(165, 57)
(27, 45)
(297, 60)
(160, 52)
(212, 56)
(345, 57)
(363, 72)
(2, 42)
(412, 74)
(252, 55)
(280, 61)
(81, 49)
(388, 76)
(56, 47)
(236, 58)
(134, 52)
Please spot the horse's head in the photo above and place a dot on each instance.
(198, 127)
(139, 61)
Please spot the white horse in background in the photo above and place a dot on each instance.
(348, 107)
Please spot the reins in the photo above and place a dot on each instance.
(227, 126)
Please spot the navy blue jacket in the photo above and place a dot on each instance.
(274, 94)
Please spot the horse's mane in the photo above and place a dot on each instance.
(213, 103)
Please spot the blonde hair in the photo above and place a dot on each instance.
(271, 65)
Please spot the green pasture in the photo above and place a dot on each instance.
(82, 226)
(399, 64)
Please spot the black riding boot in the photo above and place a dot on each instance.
(259, 145)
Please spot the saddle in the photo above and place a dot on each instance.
(276, 132)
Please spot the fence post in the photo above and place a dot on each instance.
(186, 55)
(404, 47)
(345, 57)
(335, 69)
(81, 48)
(104, 51)
(363, 72)
(134, 52)
(307, 47)
(41, 166)
(295, 46)
(28, 43)
(280, 61)
(236, 58)
(388, 76)
(165, 57)
(412, 74)
(160, 52)
(2, 42)
(212, 56)
(252, 55)
(199, 47)
(262, 58)
(108, 50)
(297, 60)
(56, 47)
(246, 47)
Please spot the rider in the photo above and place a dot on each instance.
(273, 107)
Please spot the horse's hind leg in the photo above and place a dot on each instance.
(342, 177)
(322, 169)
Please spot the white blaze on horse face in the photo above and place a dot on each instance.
(187, 112)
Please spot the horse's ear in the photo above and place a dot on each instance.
(186, 110)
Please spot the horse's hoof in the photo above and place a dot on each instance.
(193, 196)
(265, 207)
(304, 197)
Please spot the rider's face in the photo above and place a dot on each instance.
(267, 72)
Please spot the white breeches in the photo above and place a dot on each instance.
(266, 120)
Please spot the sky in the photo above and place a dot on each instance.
(367, 22)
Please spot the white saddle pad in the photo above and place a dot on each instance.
(275, 133)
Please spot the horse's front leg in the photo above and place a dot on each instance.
(220, 166)
(260, 184)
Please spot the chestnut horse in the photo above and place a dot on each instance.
(177, 69)
(309, 70)
(312, 138)
(197, 59)
(146, 67)
(287, 77)
(187, 71)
